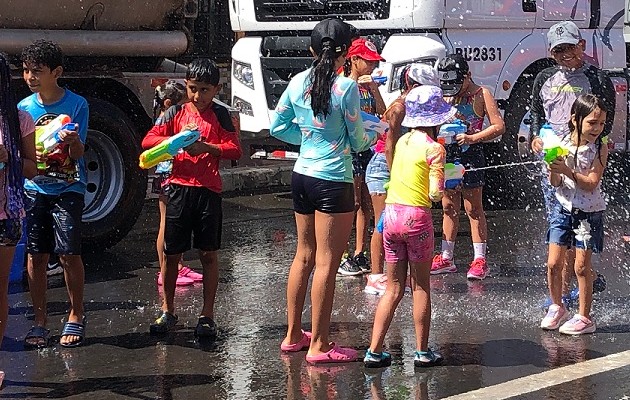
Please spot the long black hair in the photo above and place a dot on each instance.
(11, 139)
(582, 107)
(322, 78)
(405, 82)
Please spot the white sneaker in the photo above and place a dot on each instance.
(54, 269)
(556, 316)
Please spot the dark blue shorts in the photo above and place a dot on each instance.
(473, 157)
(53, 223)
(314, 194)
(565, 225)
(10, 231)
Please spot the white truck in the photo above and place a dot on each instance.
(504, 42)
(115, 50)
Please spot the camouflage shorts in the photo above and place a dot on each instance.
(10, 232)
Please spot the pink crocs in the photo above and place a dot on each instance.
(303, 344)
(335, 355)
(186, 272)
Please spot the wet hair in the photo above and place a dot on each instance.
(171, 90)
(12, 140)
(203, 70)
(582, 107)
(405, 82)
(322, 78)
(43, 52)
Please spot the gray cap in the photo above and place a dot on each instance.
(563, 32)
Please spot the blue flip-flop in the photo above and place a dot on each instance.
(36, 332)
(73, 329)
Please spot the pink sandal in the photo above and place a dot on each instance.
(335, 355)
(303, 344)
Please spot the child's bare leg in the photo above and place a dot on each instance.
(376, 243)
(6, 257)
(210, 263)
(363, 216)
(555, 263)
(584, 273)
(420, 285)
(37, 284)
(74, 273)
(451, 205)
(396, 277)
(300, 271)
(169, 277)
(331, 232)
(477, 217)
(568, 270)
(159, 243)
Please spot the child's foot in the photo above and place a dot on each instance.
(337, 354)
(362, 261)
(556, 316)
(181, 280)
(427, 358)
(478, 269)
(186, 272)
(578, 325)
(349, 267)
(442, 265)
(377, 360)
(206, 328)
(163, 324)
(376, 284)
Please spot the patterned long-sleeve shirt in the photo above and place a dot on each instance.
(325, 143)
(417, 176)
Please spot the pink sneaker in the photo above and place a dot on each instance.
(578, 325)
(556, 316)
(186, 272)
(442, 265)
(478, 269)
(181, 280)
(376, 284)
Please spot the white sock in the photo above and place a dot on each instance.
(480, 250)
(448, 248)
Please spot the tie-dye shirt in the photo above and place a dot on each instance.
(325, 143)
(417, 176)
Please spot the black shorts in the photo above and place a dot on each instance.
(10, 231)
(192, 211)
(360, 162)
(158, 186)
(314, 194)
(473, 157)
(53, 223)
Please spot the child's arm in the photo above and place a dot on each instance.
(76, 140)
(588, 181)
(360, 139)
(229, 146)
(435, 158)
(497, 125)
(394, 119)
(162, 130)
(29, 159)
(282, 125)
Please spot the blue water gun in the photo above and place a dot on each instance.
(379, 79)
(453, 174)
(372, 123)
(168, 148)
(449, 132)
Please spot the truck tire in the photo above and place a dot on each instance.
(116, 187)
(512, 187)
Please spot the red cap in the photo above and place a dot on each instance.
(365, 49)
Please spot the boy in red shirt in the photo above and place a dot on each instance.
(194, 199)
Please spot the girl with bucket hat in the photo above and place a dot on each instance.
(417, 180)
(377, 172)
(474, 104)
(320, 111)
(361, 61)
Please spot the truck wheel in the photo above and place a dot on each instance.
(116, 187)
(518, 186)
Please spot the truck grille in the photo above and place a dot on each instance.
(277, 72)
(315, 10)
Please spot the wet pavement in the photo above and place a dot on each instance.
(487, 331)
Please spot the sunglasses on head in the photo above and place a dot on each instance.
(563, 48)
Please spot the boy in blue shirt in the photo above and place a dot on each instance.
(56, 193)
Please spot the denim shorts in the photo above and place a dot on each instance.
(376, 174)
(564, 224)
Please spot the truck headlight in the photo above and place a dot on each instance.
(243, 73)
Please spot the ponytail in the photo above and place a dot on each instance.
(322, 78)
(12, 140)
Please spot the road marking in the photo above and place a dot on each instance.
(532, 383)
